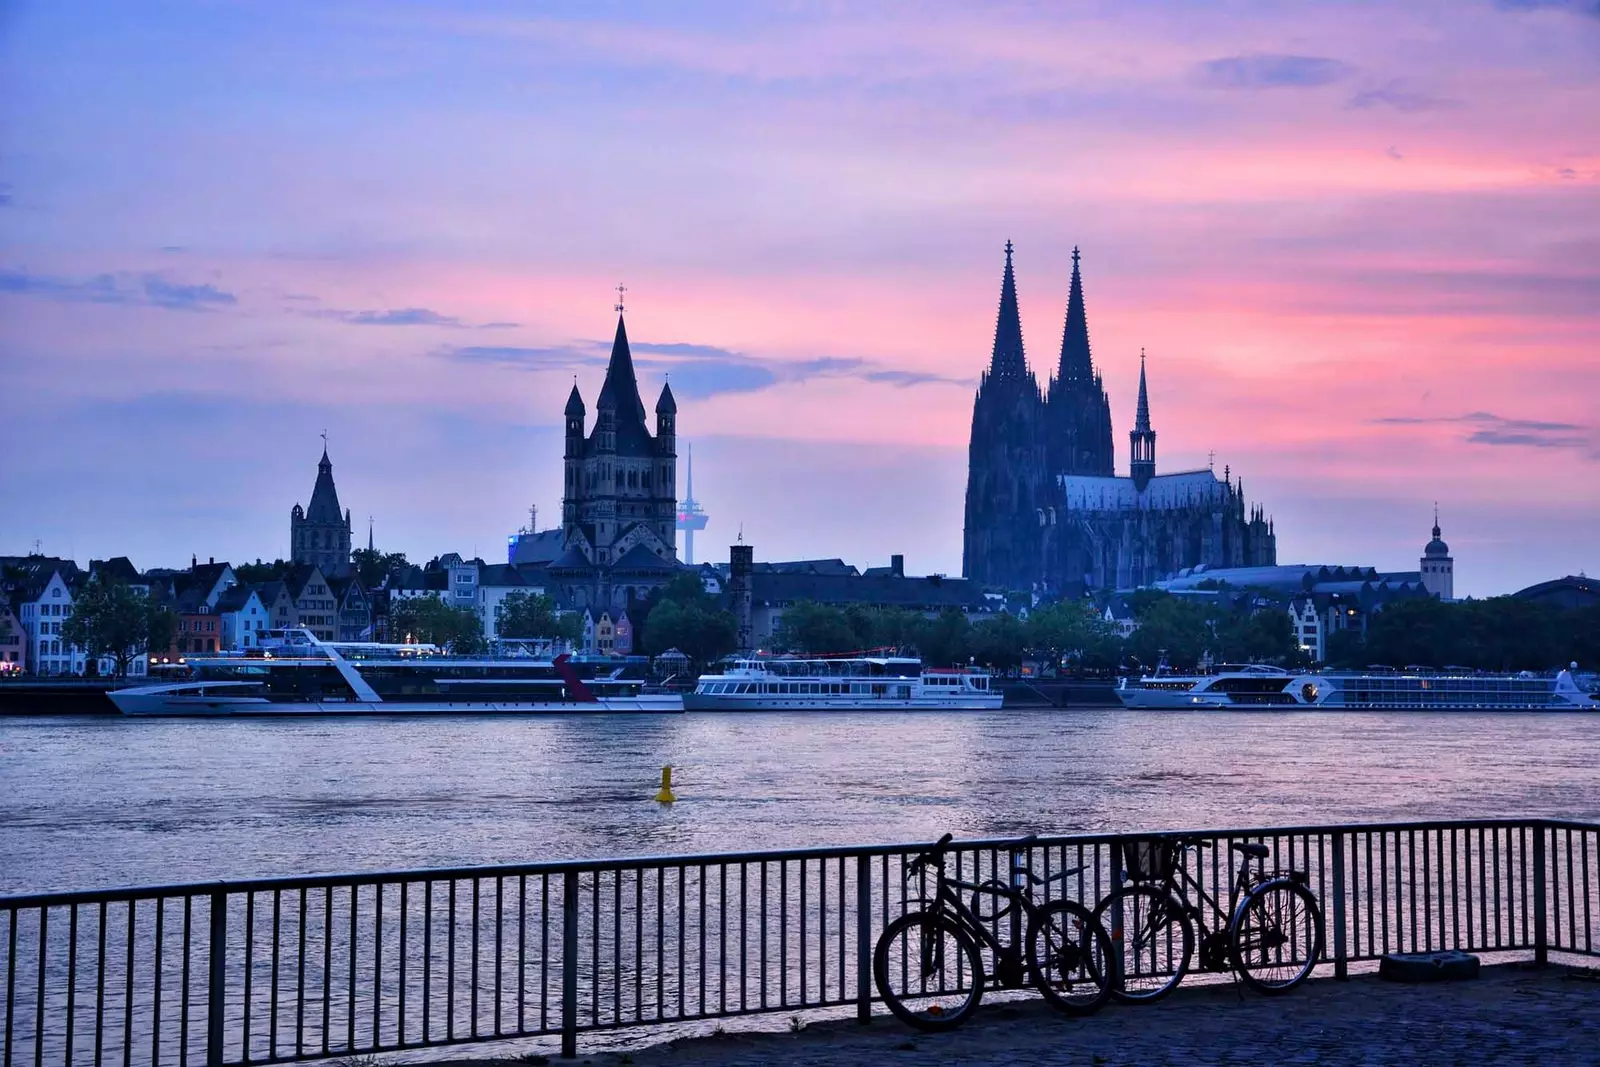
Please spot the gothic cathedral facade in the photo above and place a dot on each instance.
(1045, 510)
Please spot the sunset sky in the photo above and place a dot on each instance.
(1359, 241)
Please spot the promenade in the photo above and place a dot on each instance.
(1510, 1015)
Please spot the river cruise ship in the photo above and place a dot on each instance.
(1257, 687)
(872, 683)
(293, 673)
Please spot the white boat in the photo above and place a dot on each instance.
(294, 673)
(1257, 687)
(871, 683)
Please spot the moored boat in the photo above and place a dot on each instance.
(1257, 686)
(293, 673)
(870, 683)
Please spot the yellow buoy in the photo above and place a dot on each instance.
(666, 795)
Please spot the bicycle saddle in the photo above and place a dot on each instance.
(1252, 849)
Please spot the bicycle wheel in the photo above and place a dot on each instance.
(1072, 958)
(1277, 937)
(1153, 939)
(928, 971)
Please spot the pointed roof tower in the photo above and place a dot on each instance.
(1008, 361)
(1141, 420)
(574, 402)
(324, 506)
(621, 388)
(1076, 363)
(667, 404)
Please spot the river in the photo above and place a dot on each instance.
(99, 801)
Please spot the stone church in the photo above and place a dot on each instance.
(320, 532)
(1045, 510)
(619, 505)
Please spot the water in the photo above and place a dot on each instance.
(106, 801)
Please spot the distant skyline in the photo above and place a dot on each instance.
(1360, 243)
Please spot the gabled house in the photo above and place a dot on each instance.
(279, 605)
(13, 641)
(354, 609)
(243, 616)
(314, 601)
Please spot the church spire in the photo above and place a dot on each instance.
(1142, 416)
(1142, 438)
(620, 391)
(1076, 363)
(1008, 360)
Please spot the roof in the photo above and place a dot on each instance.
(30, 574)
(324, 506)
(269, 592)
(574, 403)
(297, 577)
(1573, 591)
(932, 593)
(571, 559)
(640, 558)
(540, 548)
(235, 598)
(620, 395)
(500, 574)
(666, 404)
(117, 568)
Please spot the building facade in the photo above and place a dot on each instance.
(319, 534)
(619, 498)
(1045, 510)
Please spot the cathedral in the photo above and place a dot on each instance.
(1045, 510)
(619, 504)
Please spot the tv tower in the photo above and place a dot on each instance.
(691, 516)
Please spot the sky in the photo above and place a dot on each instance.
(1360, 243)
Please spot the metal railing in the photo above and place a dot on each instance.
(279, 970)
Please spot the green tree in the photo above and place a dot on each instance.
(161, 627)
(429, 620)
(1073, 629)
(1169, 626)
(373, 566)
(108, 619)
(946, 640)
(533, 615)
(998, 641)
(258, 572)
(682, 615)
(815, 629)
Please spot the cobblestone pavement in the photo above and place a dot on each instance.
(1510, 1015)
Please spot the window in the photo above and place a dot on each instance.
(56, 593)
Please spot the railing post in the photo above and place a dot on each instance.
(1341, 964)
(1117, 853)
(217, 979)
(1541, 942)
(569, 965)
(863, 939)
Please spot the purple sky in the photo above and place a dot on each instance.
(1360, 241)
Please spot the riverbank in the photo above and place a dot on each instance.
(1510, 1015)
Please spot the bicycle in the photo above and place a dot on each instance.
(928, 965)
(1270, 935)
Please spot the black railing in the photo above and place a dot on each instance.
(279, 970)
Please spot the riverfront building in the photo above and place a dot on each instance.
(1045, 510)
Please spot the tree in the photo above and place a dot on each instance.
(533, 615)
(946, 639)
(682, 615)
(809, 628)
(429, 620)
(372, 566)
(258, 572)
(1168, 626)
(161, 626)
(1073, 629)
(108, 619)
(998, 642)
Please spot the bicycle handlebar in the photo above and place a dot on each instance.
(934, 855)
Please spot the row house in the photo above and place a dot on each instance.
(243, 616)
(13, 642)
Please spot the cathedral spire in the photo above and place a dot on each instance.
(1142, 439)
(1008, 360)
(1142, 416)
(1076, 363)
(620, 391)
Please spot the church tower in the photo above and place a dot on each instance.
(1438, 569)
(1142, 461)
(1006, 468)
(619, 492)
(320, 533)
(1077, 412)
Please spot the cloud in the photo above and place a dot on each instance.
(154, 290)
(697, 370)
(1577, 7)
(391, 317)
(5, 194)
(1268, 71)
(1486, 428)
(1395, 95)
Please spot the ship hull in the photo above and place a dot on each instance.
(133, 703)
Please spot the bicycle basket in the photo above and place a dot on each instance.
(1149, 859)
